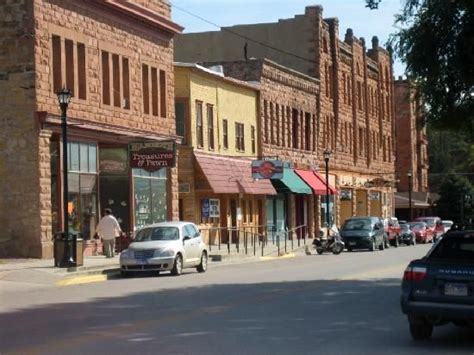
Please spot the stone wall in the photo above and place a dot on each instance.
(21, 155)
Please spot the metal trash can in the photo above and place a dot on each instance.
(75, 250)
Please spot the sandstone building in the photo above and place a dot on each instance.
(117, 58)
(412, 151)
(355, 113)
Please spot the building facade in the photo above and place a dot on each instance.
(117, 59)
(355, 118)
(217, 118)
(412, 162)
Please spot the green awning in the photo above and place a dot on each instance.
(291, 183)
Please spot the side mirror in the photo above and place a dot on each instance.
(187, 237)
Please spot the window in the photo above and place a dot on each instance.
(163, 93)
(181, 114)
(276, 123)
(252, 136)
(115, 89)
(225, 132)
(210, 126)
(145, 90)
(239, 137)
(154, 91)
(72, 65)
(295, 127)
(199, 128)
(272, 124)
(283, 126)
(307, 131)
(250, 211)
(359, 95)
(265, 120)
(349, 91)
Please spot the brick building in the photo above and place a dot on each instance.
(355, 117)
(117, 58)
(412, 152)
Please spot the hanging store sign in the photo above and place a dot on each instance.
(152, 156)
(267, 169)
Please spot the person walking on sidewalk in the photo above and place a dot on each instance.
(108, 229)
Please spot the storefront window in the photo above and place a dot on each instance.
(150, 197)
(323, 210)
(82, 181)
(54, 152)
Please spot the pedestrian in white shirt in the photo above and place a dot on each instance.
(108, 229)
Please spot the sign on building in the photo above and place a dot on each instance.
(214, 208)
(267, 169)
(205, 208)
(152, 156)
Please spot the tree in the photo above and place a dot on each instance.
(456, 199)
(436, 42)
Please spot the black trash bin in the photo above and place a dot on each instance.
(75, 245)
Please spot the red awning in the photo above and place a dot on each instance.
(232, 176)
(315, 181)
(332, 190)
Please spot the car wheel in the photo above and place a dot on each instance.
(349, 249)
(372, 246)
(202, 267)
(420, 329)
(124, 274)
(178, 266)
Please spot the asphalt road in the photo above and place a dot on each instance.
(345, 304)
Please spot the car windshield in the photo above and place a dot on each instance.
(429, 221)
(356, 224)
(157, 233)
(417, 225)
(447, 224)
(404, 227)
(454, 248)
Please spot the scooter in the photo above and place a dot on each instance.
(332, 244)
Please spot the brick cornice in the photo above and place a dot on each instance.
(134, 11)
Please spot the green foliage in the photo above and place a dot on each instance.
(449, 152)
(436, 42)
(456, 199)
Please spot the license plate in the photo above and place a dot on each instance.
(455, 289)
(352, 243)
(141, 262)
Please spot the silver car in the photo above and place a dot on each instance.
(166, 246)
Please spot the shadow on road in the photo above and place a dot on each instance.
(313, 317)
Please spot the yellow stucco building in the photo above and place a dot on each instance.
(217, 118)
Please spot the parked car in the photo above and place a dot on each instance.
(447, 225)
(438, 288)
(392, 230)
(166, 246)
(407, 236)
(434, 224)
(423, 234)
(363, 233)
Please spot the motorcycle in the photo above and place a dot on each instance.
(333, 243)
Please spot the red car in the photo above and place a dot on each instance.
(392, 230)
(423, 234)
(434, 224)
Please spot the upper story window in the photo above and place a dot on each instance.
(295, 128)
(308, 130)
(199, 127)
(181, 119)
(359, 95)
(252, 137)
(225, 133)
(74, 66)
(210, 126)
(153, 91)
(115, 80)
(239, 137)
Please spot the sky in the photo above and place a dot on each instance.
(351, 13)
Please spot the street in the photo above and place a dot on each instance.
(346, 304)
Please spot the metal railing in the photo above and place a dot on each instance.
(247, 239)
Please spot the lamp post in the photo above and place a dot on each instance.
(410, 187)
(64, 97)
(327, 154)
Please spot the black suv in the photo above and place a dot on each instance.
(439, 288)
(363, 233)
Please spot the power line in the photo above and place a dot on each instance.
(242, 36)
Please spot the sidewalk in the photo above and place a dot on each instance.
(99, 268)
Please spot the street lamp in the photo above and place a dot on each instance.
(64, 97)
(410, 187)
(327, 154)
